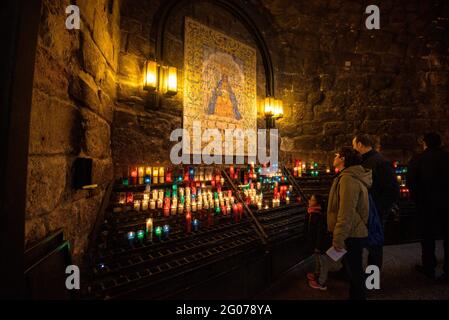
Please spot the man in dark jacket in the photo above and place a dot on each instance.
(428, 181)
(385, 188)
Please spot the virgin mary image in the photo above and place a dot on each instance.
(223, 101)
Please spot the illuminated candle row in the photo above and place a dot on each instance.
(148, 175)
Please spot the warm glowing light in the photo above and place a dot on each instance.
(172, 86)
(278, 111)
(269, 106)
(169, 79)
(150, 75)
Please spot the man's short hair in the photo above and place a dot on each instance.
(432, 140)
(352, 157)
(366, 140)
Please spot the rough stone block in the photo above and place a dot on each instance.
(49, 74)
(307, 143)
(92, 58)
(84, 90)
(47, 179)
(60, 42)
(55, 126)
(102, 171)
(287, 144)
(106, 107)
(312, 128)
(139, 46)
(335, 128)
(102, 35)
(35, 230)
(97, 137)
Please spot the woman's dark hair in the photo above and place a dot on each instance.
(352, 157)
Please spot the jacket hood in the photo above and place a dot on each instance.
(360, 173)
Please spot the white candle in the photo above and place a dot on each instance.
(152, 204)
(137, 205)
(145, 205)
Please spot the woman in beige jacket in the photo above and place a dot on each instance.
(347, 215)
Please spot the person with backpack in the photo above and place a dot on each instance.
(385, 188)
(347, 215)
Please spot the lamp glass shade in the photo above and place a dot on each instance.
(269, 106)
(172, 80)
(278, 109)
(169, 80)
(150, 75)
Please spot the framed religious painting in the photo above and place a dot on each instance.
(219, 89)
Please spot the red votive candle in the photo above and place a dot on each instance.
(168, 177)
(240, 206)
(236, 217)
(235, 208)
(129, 198)
(188, 222)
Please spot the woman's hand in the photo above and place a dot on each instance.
(338, 249)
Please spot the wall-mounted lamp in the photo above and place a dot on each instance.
(169, 82)
(273, 109)
(160, 78)
(150, 75)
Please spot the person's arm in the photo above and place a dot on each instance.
(348, 198)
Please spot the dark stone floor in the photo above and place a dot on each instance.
(399, 281)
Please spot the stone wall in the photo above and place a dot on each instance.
(336, 77)
(141, 128)
(72, 112)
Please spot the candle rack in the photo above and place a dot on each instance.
(229, 231)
